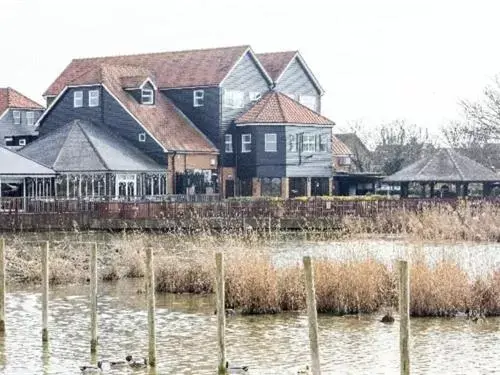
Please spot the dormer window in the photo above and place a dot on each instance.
(17, 117)
(147, 96)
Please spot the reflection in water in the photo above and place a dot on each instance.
(186, 338)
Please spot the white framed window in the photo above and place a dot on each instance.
(22, 142)
(323, 143)
(78, 99)
(228, 141)
(308, 143)
(30, 118)
(198, 98)
(292, 143)
(344, 160)
(93, 98)
(254, 95)
(17, 117)
(147, 96)
(309, 101)
(270, 142)
(142, 137)
(234, 99)
(246, 143)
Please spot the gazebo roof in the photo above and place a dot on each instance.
(13, 164)
(81, 146)
(445, 165)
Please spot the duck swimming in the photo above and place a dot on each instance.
(136, 362)
(91, 369)
(236, 369)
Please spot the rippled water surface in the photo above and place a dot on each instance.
(186, 331)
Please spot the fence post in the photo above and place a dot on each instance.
(404, 313)
(93, 299)
(221, 314)
(2, 286)
(150, 289)
(45, 292)
(312, 315)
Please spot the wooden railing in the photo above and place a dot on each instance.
(178, 207)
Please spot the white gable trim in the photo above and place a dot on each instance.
(150, 81)
(301, 60)
(4, 113)
(135, 118)
(257, 62)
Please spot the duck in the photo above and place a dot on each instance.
(91, 369)
(236, 369)
(136, 362)
(304, 371)
(118, 363)
(387, 318)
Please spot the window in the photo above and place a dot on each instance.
(344, 160)
(78, 99)
(229, 143)
(198, 98)
(93, 98)
(147, 96)
(17, 117)
(309, 101)
(142, 137)
(30, 118)
(292, 143)
(246, 143)
(234, 99)
(254, 96)
(323, 143)
(308, 143)
(270, 142)
(22, 142)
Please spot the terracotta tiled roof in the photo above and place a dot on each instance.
(10, 98)
(275, 107)
(163, 119)
(204, 67)
(339, 147)
(276, 62)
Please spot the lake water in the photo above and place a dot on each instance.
(186, 337)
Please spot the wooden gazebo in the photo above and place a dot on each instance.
(444, 167)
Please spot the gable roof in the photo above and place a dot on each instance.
(191, 68)
(339, 147)
(14, 164)
(277, 108)
(80, 146)
(276, 64)
(445, 165)
(10, 98)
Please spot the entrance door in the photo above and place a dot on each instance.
(229, 188)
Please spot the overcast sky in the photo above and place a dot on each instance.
(377, 60)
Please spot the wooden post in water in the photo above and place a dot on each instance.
(312, 315)
(2, 286)
(150, 290)
(221, 314)
(404, 313)
(93, 299)
(45, 292)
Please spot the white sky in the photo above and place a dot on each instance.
(377, 60)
